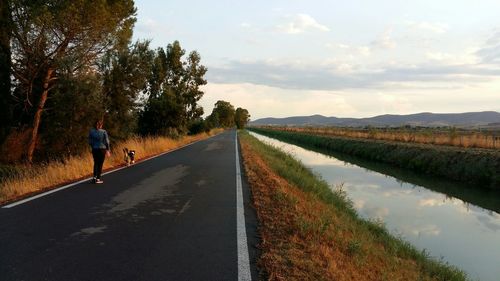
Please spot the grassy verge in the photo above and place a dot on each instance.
(311, 233)
(480, 167)
(28, 180)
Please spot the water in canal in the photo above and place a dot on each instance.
(459, 224)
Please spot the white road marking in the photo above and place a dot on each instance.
(243, 257)
(88, 179)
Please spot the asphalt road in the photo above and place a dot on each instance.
(173, 217)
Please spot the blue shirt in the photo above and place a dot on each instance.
(98, 139)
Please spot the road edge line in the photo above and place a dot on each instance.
(244, 273)
(25, 200)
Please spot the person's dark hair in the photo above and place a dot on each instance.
(98, 124)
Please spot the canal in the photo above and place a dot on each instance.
(450, 221)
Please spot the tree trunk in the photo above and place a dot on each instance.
(38, 116)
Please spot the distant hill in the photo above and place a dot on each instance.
(425, 119)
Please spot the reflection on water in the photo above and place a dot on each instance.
(462, 226)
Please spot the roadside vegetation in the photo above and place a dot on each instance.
(436, 136)
(65, 66)
(19, 180)
(310, 232)
(477, 166)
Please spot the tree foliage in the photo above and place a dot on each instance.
(173, 91)
(72, 62)
(56, 38)
(124, 75)
(223, 113)
(241, 117)
(5, 92)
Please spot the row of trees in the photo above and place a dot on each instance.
(65, 64)
(224, 115)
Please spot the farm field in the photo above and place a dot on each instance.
(474, 165)
(451, 136)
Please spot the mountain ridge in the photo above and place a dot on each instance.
(425, 119)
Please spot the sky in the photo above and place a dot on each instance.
(358, 58)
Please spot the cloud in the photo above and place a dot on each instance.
(359, 204)
(301, 23)
(245, 25)
(423, 230)
(351, 50)
(384, 41)
(338, 75)
(259, 100)
(150, 26)
(430, 202)
(434, 27)
(375, 212)
(395, 104)
(465, 57)
(490, 53)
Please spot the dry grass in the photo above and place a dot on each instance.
(428, 136)
(305, 238)
(42, 177)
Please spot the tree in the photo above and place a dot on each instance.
(5, 91)
(225, 113)
(241, 117)
(75, 103)
(173, 92)
(61, 37)
(124, 76)
(160, 115)
(193, 79)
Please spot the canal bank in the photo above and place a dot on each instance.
(310, 232)
(480, 167)
(444, 226)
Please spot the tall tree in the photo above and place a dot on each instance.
(124, 75)
(76, 101)
(225, 113)
(55, 36)
(241, 117)
(173, 92)
(5, 85)
(194, 78)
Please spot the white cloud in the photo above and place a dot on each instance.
(430, 202)
(468, 57)
(264, 101)
(375, 212)
(301, 23)
(150, 26)
(423, 230)
(245, 25)
(365, 51)
(359, 203)
(438, 56)
(344, 74)
(395, 103)
(342, 46)
(434, 27)
(490, 52)
(384, 41)
(352, 51)
(268, 101)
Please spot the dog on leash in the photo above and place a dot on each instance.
(129, 156)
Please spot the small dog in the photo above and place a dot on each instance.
(129, 156)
